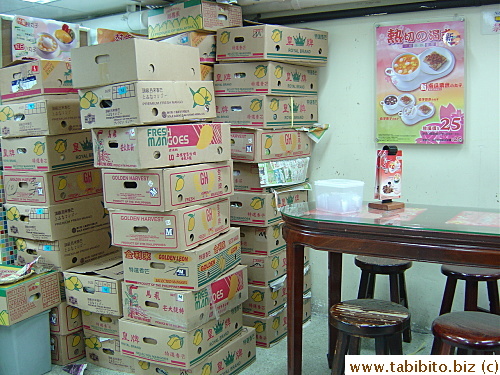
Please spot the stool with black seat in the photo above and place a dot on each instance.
(394, 268)
(384, 321)
(470, 332)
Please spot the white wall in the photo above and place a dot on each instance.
(466, 175)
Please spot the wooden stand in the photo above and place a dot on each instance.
(386, 205)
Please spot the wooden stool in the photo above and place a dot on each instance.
(471, 275)
(474, 332)
(371, 266)
(382, 320)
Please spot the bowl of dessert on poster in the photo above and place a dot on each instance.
(420, 83)
(36, 38)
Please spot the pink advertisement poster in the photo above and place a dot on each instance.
(420, 83)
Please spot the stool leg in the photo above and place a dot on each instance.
(402, 290)
(493, 296)
(449, 293)
(363, 285)
(371, 285)
(440, 348)
(395, 344)
(394, 286)
(471, 288)
(381, 346)
(338, 362)
(354, 346)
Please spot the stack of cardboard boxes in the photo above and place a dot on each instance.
(8, 251)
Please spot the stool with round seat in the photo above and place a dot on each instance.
(471, 332)
(384, 321)
(394, 268)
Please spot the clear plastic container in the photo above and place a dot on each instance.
(339, 196)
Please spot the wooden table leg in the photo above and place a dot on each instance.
(295, 285)
(334, 296)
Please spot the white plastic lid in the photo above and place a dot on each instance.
(339, 183)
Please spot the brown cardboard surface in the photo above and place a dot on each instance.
(203, 41)
(263, 270)
(161, 146)
(260, 145)
(273, 42)
(6, 41)
(180, 229)
(185, 270)
(100, 325)
(50, 223)
(41, 117)
(167, 188)
(265, 241)
(146, 102)
(185, 310)
(265, 77)
(65, 349)
(65, 319)
(106, 352)
(207, 73)
(133, 60)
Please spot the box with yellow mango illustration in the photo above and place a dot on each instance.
(48, 153)
(106, 352)
(186, 270)
(146, 102)
(264, 270)
(161, 146)
(100, 325)
(231, 359)
(175, 348)
(261, 145)
(167, 188)
(65, 349)
(265, 77)
(185, 310)
(175, 230)
(265, 241)
(203, 41)
(65, 319)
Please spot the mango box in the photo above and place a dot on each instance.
(264, 111)
(65, 349)
(261, 145)
(205, 42)
(27, 297)
(146, 102)
(24, 79)
(48, 153)
(264, 241)
(167, 188)
(168, 347)
(194, 15)
(133, 60)
(207, 72)
(65, 319)
(179, 230)
(231, 359)
(100, 325)
(187, 270)
(96, 286)
(265, 77)
(66, 253)
(264, 270)
(56, 222)
(185, 310)
(272, 42)
(43, 188)
(40, 117)
(106, 352)
(261, 177)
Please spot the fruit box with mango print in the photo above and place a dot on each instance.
(175, 348)
(185, 310)
(272, 42)
(265, 241)
(146, 102)
(101, 325)
(264, 270)
(65, 349)
(203, 41)
(65, 319)
(185, 270)
(161, 146)
(106, 352)
(167, 188)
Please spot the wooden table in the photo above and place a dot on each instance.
(452, 235)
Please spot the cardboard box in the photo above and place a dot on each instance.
(66, 253)
(161, 146)
(65, 319)
(27, 297)
(265, 77)
(100, 325)
(65, 349)
(179, 230)
(273, 42)
(185, 310)
(186, 270)
(133, 60)
(106, 352)
(261, 209)
(146, 102)
(107, 35)
(261, 177)
(207, 72)
(205, 42)
(179, 349)
(231, 359)
(193, 15)
(44, 188)
(96, 286)
(264, 270)
(264, 111)
(265, 241)
(40, 117)
(6, 41)
(24, 79)
(48, 153)
(167, 188)
(50, 223)
(260, 145)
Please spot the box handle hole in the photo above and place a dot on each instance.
(19, 117)
(21, 150)
(149, 340)
(152, 304)
(222, 17)
(236, 108)
(141, 230)
(154, 111)
(113, 144)
(130, 185)
(158, 266)
(34, 297)
(24, 218)
(236, 204)
(151, 68)
(106, 103)
(105, 319)
(108, 351)
(239, 39)
(240, 75)
(101, 59)
(156, 154)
